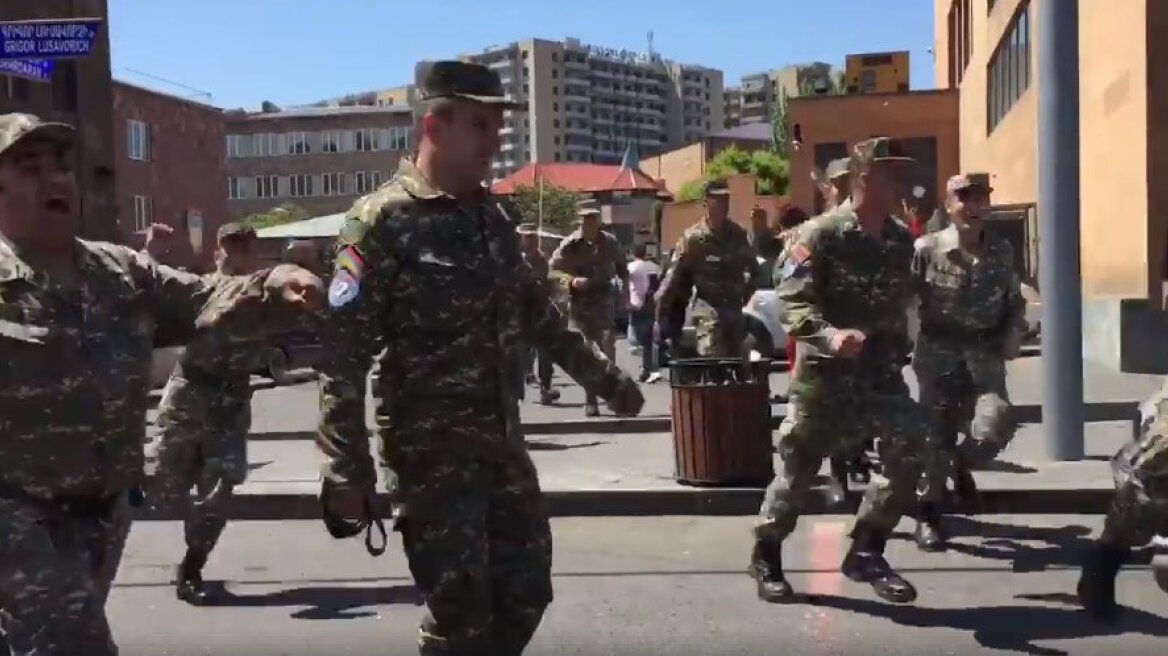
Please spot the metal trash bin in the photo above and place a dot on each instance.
(722, 422)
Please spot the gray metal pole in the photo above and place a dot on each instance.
(1058, 232)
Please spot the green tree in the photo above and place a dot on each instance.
(559, 206)
(691, 190)
(769, 168)
(780, 127)
(286, 213)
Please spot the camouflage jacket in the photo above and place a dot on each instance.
(441, 296)
(963, 300)
(720, 266)
(73, 389)
(834, 276)
(600, 262)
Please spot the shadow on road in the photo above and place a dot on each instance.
(555, 446)
(1062, 545)
(320, 603)
(1007, 628)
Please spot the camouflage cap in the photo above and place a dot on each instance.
(876, 150)
(235, 229)
(965, 181)
(837, 168)
(715, 188)
(459, 79)
(587, 207)
(17, 127)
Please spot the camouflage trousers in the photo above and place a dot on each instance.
(962, 390)
(56, 569)
(1139, 510)
(829, 413)
(596, 324)
(722, 335)
(202, 444)
(476, 534)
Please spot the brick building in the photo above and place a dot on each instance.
(320, 159)
(683, 165)
(79, 94)
(826, 127)
(170, 163)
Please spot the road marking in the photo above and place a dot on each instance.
(827, 539)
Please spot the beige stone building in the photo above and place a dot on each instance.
(318, 158)
(988, 50)
(588, 103)
(757, 95)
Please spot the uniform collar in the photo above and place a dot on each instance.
(949, 240)
(417, 185)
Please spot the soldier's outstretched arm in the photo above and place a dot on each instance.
(248, 305)
(547, 328)
(1014, 321)
(561, 267)
(677, 283)
(799, 288)
(352, 332)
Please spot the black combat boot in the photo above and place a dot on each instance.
(929, 536)
(837, 483)
(1096, 587)
(965, 494)
(766, 567)
(591, 406)
(188, 585)
(865, 563)
(548, 395)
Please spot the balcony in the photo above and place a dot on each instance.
(579, 129)
(500, 64)
(586, 148)
(577, 95)
(508, 146)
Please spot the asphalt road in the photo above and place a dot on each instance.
(647, 586)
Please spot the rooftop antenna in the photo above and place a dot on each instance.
(196, 92)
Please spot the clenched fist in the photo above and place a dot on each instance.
(296, 286)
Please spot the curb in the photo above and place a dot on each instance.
(303, 504)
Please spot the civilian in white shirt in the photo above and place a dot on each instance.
(644, 276)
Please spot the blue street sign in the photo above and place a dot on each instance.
(48, 39)
(39, 70)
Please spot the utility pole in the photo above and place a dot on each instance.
(1059, 275)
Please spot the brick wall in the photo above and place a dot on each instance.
(183, 176)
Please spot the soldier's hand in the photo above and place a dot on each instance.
(627, 401)
(580, 284)
(296, 286)
(1012, 348)
(345, 501)
(158, 237)
(847, 343)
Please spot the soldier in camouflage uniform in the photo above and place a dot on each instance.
(77, 326)
(585, 265)
(433, 277)
(845, 288)
(713, 258)
(973, 318)
(204, 418)
(1138, 513)
(529, 242)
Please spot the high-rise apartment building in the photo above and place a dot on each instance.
(758, 95)
(588, 104)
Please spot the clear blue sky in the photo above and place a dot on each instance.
(297, 51)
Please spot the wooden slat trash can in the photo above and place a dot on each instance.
(721, 422)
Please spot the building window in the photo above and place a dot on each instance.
(334, 184)
(237, 145)
(298, 143)
(138, 134)
(143, 213)
(330, 141)
(268, 145)
(867, 80)
(367, 181)
(1008, 73)
(236, 190)
(398, 138)
(960, 40)
(366, 140)
(300, 185)
(267, 186)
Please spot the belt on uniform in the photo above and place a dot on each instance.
(63, 505)
(960, 334)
